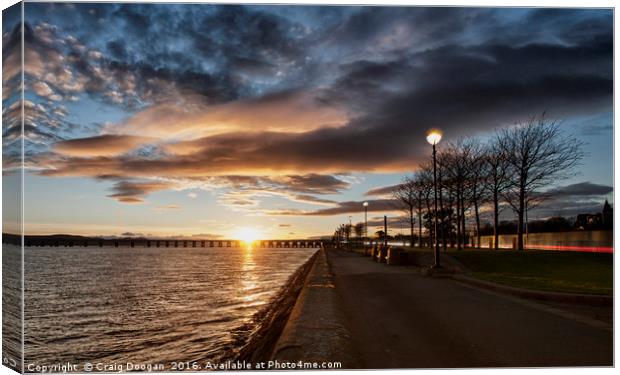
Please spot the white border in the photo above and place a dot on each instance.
(475, 3)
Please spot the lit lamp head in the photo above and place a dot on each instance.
(433, 136)
(365, 204)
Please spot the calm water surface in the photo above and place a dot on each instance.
(154, 305)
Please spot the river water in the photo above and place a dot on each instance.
(146, 305)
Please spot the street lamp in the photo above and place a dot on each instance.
(365, 204)
(433, 136)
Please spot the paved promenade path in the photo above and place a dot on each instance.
(399, 318)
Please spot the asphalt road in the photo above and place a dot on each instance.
(400, 319)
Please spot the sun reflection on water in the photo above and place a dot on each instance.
(248, 277)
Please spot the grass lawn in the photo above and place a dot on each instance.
(559, 271)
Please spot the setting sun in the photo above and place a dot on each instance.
(247, 235)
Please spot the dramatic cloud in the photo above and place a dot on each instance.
(280, 101)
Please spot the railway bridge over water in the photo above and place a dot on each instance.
(58, 241)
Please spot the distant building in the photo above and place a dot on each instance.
(601, 220)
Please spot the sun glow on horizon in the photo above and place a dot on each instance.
(247, 235)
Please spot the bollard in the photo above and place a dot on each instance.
(394, 256)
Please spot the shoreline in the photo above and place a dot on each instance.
(271, 320)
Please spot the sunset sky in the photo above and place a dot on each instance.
(202, 119)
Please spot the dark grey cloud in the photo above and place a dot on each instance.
(312, 199)
(135, 191)
(309, 183)
(313, 183)
(582, 189)
(568, 201)
(567, 208)
(132, 234)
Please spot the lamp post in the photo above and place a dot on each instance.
(433, 136)
(365, 204)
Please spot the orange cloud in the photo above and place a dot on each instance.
(189, 118)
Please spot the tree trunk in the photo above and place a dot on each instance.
(520, 216)
(451, 218)
(463, 223)
(477, 222)
(412, 226)
(458, 222)
(495, 220)
(420, 225)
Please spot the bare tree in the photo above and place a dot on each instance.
(457, 159)
(537, 153)
(496, 182)
(478, 176)
(412, 195)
